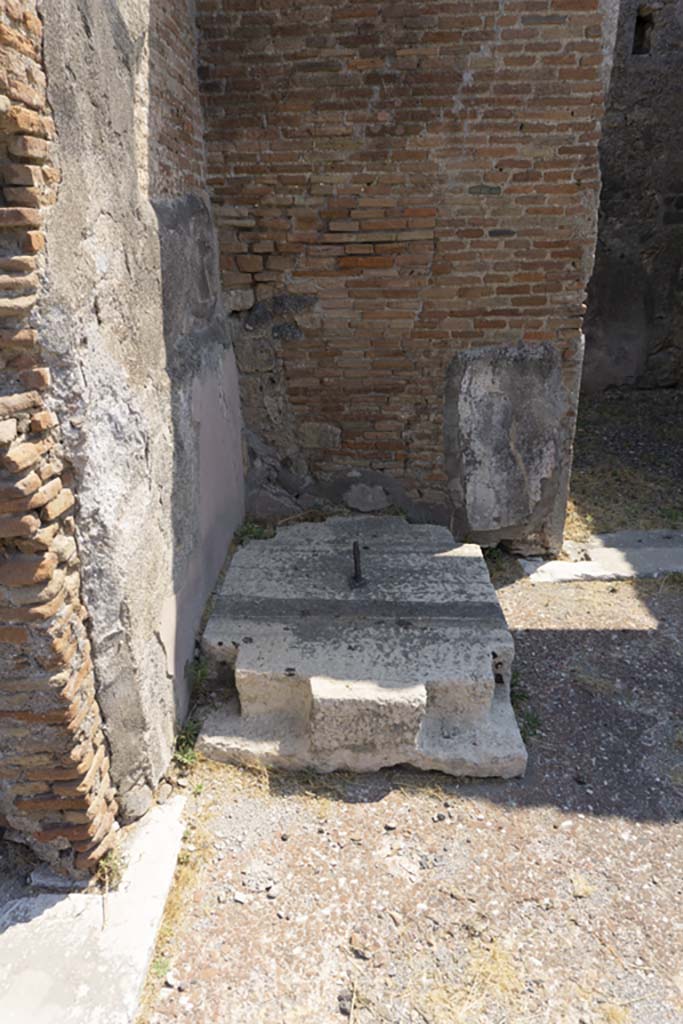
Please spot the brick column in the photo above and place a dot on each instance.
(55, 789)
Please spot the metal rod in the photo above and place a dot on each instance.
(357, 574)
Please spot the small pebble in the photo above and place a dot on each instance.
(345, 1000)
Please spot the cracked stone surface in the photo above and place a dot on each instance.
(413, 666)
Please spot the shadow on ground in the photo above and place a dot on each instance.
(601, 709)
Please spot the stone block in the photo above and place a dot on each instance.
(508, 433)
(412, 666)
(366, 498)
(320, 435)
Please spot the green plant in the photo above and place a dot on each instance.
(529, 721)
(160, 966)
(110, 870)
(185, 755)
(251, 530)
(494, 556)
(199, 675)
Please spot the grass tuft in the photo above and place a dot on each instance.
(252, 530)
(528, 720)
(185, 755)
(110, 870)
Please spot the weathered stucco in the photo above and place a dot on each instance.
(145, 376)
(634, 326)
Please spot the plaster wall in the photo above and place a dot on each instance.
(141, 355)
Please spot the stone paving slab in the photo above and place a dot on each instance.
(629, 554)
(403, 669)
(82, 958)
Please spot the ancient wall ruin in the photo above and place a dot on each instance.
(634, 326)
(121, 480)
(142, 359)
(55, 788)
(406, 198)
(406, 204)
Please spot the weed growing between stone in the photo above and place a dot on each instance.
(185, 756)
(110, 870)
(251, 530)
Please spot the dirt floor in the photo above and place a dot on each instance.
(628, 464)
(411, 898)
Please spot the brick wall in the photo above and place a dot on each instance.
(426, 174)
(176, 144)
(54, 767)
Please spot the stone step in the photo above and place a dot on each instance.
(362, 726)
(276, 663)
(489, 748)
(412, 667)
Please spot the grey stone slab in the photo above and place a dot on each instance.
(393, 654)
(628, 554)
(330, 676)
(566, 572)
(421, 577)
(634, 539)
(376, 531)
(81, 959)
(509, 421)
(291, 580)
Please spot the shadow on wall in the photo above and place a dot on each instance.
(207, 500)
(634, 324)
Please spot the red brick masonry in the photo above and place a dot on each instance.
(54, 769)
(428, 172)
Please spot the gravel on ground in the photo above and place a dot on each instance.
(410, 898)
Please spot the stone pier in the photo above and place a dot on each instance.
(409, 665)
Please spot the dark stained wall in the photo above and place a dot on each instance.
(634, 326)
